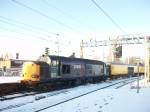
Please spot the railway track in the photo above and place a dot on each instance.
(115, 85)
(8, 88)
(124, 83)
(28, 94)
(17, 95)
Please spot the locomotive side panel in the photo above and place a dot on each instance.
(94, 69)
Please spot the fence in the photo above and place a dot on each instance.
(10, 72)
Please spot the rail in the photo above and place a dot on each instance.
(88, 93)
(115, 84)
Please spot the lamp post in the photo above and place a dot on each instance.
(57, 44)
(57, 61)
(138, 60)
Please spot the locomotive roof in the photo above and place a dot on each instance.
(67, 59)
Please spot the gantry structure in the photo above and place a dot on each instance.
(116, 47)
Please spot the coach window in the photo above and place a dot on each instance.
(54, 62)
(66, 69)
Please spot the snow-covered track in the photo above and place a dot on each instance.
(125, 82)
(27, 94)
(16, 95)
(8, 88)
(54, 98)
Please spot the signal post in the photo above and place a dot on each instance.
(147, 58)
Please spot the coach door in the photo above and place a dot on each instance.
(44, 71)
(53, 69)
(130, 71)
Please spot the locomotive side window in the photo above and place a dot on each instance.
(54, 62)
(76, 69)
(66, 69)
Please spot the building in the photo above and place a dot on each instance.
(5, 62)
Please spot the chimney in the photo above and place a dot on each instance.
(17, 55)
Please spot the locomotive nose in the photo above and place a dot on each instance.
(30, 72)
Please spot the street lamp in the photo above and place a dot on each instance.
(138, 62)
(57, 44)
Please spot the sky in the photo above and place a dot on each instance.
(28, 26)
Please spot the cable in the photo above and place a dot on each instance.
(41, 38)
(44, 15)
(24, 24)
(107, 15)
(6, 22)
(34, 36)
(64, 13)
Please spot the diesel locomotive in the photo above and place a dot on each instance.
(63, 70)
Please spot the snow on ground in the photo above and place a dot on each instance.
(51, 98)
(4, 79)
(125, 99)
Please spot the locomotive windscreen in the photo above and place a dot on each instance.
(16, 63)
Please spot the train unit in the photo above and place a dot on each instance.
(141, 70)
(63, 70)
(116, 70)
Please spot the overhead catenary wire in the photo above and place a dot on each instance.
(47, 16)
(26, 25)
(32, 35)
(22, 27)
(68, 15)
(108, 16)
